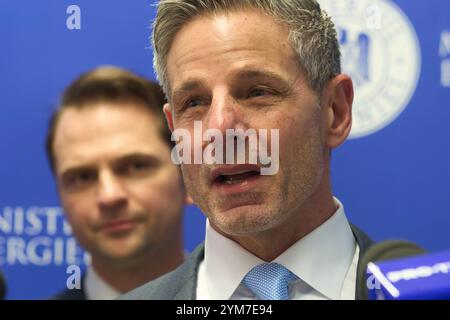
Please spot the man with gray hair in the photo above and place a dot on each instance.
(260, 64)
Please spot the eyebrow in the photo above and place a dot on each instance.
(67, 173)
(115, 162)
(188, 86)
(250, 74)
(136, 156)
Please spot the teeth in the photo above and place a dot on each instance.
(237, 177)
(232, 181)
(235, 173)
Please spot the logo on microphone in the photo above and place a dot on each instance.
(381, 52)
(419, 272)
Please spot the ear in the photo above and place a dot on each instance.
(188, 201)
(338, 102)
(168, 112)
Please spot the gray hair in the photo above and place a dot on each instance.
(311, 32)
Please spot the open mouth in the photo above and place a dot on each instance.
(234, 175)
(236, 178)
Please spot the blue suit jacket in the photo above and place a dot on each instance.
(181, 284)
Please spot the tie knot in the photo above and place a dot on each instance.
(269, 281)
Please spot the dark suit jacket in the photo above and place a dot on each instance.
(181, 284)
(75, 294)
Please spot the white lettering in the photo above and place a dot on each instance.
(182, 151)
(198, 142)
(213, 153)
(238, 138)
(33, 221)
(373, 283)
(419, 272)
(274, 158)
(444, 48)
(18, 221)
(445, 73)
(74, 20)
(72, 251)
(15, 251)
(6, 220)
(58, 252)
(257, 146)
(35, 226)
(193, 310)
(52, 216)
(74, 280)
(39, 252)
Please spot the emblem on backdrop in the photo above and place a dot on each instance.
(381, 52)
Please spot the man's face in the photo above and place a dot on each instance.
(238, 71)
(122, 195)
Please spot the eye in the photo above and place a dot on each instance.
(84, 177)
(259, 92)
(79, 179)
(192, 103)
(136, 167)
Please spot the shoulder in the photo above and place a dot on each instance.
(363, 240)
(179, 284)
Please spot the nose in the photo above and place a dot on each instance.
(112, 196)
(223, 113)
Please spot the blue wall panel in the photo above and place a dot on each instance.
(394, 183)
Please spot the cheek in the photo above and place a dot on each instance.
(300, 144)
(157, 194)
(196, 183)
(195, 178)
(81, 217)
(79, 211)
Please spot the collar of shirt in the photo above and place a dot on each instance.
(321, 259)
(96, 288)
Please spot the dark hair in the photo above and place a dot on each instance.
(109, 84)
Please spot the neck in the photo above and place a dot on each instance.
(126, 276)
(269, 244)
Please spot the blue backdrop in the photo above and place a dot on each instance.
(393, 176)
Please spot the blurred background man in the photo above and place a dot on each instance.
(109, 149)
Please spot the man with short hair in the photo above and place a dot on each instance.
(272, 65)
(110, 151)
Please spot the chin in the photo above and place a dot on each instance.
(119, 258)
(121, 251)
(245, 220)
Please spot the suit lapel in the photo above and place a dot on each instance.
(364, 242)
(188, 274)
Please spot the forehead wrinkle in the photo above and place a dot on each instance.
(241, 49)
(222, 29)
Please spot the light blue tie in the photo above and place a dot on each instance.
(269, 281)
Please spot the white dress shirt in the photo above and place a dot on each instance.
(96, 288)
(325, 261)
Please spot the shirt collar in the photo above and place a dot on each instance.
(321, 258)
(96, 288)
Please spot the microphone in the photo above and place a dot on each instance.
(382, 251)
(400, 270)
(2, 286)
